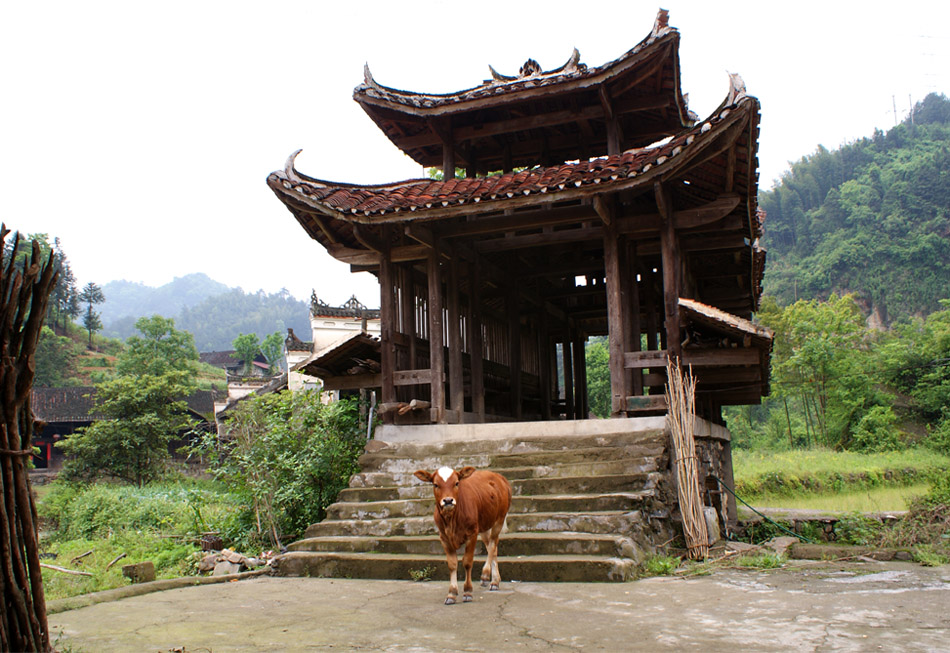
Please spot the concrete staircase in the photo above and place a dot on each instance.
(590, 500)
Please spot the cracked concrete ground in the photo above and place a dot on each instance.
(806, 607)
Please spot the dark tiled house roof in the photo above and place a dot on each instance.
(350, 308)
(74, 404)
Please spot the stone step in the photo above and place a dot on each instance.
(529, 438)
(519, 504)
(519, 487)
(397, 461)
(591, 468)
(511, 544)
(540, 568)
(597, 522)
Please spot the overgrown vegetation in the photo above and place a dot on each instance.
(286, 456)
(161, 522)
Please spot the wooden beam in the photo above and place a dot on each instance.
(606, 208)
(352, 382)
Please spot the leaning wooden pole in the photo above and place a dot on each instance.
(681, 402)
(24, 294)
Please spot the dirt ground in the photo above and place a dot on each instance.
(808, 606)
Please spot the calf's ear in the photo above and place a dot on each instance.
(465, 472)
(424, 476)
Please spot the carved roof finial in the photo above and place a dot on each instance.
(661, 23)
(530, 67)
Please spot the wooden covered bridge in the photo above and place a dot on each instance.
(593, 202)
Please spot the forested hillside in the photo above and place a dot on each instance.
(871, 218)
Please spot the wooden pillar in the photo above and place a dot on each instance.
(408, 309)
(581, 410)
(387, 318)
(567, 360)
(436, 351)
(632, 327)
(475, 346)
(544, 368)
(671, 287)
(616, 326)
(514, 348)
(456, 391)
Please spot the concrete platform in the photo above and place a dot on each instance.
(811, 606)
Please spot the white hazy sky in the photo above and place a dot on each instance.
(141, 133)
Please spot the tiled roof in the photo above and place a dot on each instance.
(64, 404)
(74, 404)
(725, 320)
(530, 77)
(415, 197)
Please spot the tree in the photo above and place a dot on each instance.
(160, 348)
(55, 359)
(246, 348)
(64, 302)
(273, 350)
(142, 408)
(91, 294)
(141, 415)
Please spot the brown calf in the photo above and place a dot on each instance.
(469, 503)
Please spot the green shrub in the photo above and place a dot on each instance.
(939, 439)
(877, 431)
(855, 528)
(659, 565)
(764, 560)
(286, 456)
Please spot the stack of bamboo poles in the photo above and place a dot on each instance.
(681, 402)
(24, 292)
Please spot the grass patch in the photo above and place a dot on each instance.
(800, 472)
(878, 499)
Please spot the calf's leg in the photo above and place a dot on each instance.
(468, 559)
(486, 570)
(451, 558)
(492, 561)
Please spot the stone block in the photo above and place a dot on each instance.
(140, 572)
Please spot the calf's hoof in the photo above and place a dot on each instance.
(484, 583)
(466, 598)
(493, 588)
(450, 600)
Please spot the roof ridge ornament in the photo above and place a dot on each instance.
(532, 68)
(289, 167)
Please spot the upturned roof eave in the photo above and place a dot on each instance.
(284, 183)
(446, 104)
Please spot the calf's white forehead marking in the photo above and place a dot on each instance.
(445, 472)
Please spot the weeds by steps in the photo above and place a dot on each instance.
(420, 575)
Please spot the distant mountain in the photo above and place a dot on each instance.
(129, 299)
(212, 312)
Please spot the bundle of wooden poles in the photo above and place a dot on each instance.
(681, 403)
(25, 287)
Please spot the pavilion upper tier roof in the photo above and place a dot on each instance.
(426, 199)
(540, 117)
